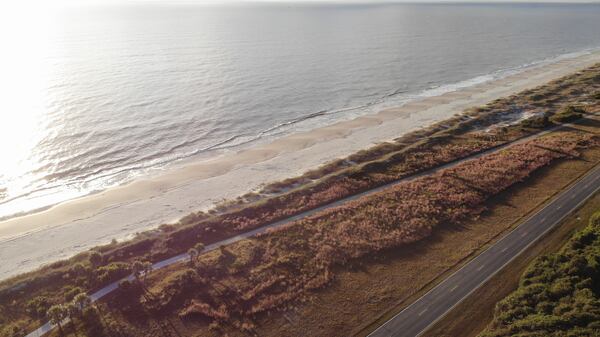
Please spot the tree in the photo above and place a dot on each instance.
(199, 247)
(125, 285)
(92, 322)
(73, 310)
(82, 300)
(193, 253)
(78, 269)
(14, 330)
(137, 269)
(147, 267)
(57, 314)
(71, 292)
(95, 259)
(140, 271)
(38, 307)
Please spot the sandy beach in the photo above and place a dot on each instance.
(66, 229)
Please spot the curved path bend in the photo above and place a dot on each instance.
(47, 327)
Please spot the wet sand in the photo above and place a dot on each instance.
(66, 229)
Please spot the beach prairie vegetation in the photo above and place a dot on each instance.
(331, 244)
(283, 267)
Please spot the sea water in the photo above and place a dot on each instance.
(94, 97)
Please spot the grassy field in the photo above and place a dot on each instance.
(388, 162)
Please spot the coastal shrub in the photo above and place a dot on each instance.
(126, 251)
(38, 306)
(14, 329)
(539, 122)
(96, 259)
(418, 158)
(203, 227)
(405, 156)
(70, 292)
(79, 270)
(295, 259)
(92, 322)
(540, 96)
(206, 310)
(568, 114)
(175, 289)
(558, 294)
(112, 272)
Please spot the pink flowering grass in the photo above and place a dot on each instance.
(289, 262)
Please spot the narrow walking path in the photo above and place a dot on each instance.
(42, 330)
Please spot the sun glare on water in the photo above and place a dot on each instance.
(28, 43)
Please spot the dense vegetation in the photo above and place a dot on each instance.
(232, 285)
(568, 114)
(25, 299)
(558, 295)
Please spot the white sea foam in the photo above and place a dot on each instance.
(123, 96)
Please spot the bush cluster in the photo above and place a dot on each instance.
(441, 143)
(558, 295)
(281, 267)
(568, 114)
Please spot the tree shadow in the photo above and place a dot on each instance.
(586, 122)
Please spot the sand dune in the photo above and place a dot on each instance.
(71, 227)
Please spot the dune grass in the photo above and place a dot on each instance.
(430, 147)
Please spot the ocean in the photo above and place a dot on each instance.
(98, 96)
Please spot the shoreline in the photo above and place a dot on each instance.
(26, 242)
(397, 99)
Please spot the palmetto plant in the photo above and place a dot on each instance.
(82, 300)
(140, 271)
(193, 253)
(57, 314)
(73, 311)
(137, 269)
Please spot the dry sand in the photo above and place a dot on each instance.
(71, 227)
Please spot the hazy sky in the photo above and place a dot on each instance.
(62, 2)
(341, 1)
(49, 5)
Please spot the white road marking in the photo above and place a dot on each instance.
(524, 234)
(454, 288)
(422, 312)
(505, 249)
(480, 267)
(559, 207)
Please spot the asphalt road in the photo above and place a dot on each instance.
(47, 327)
(423, 313)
